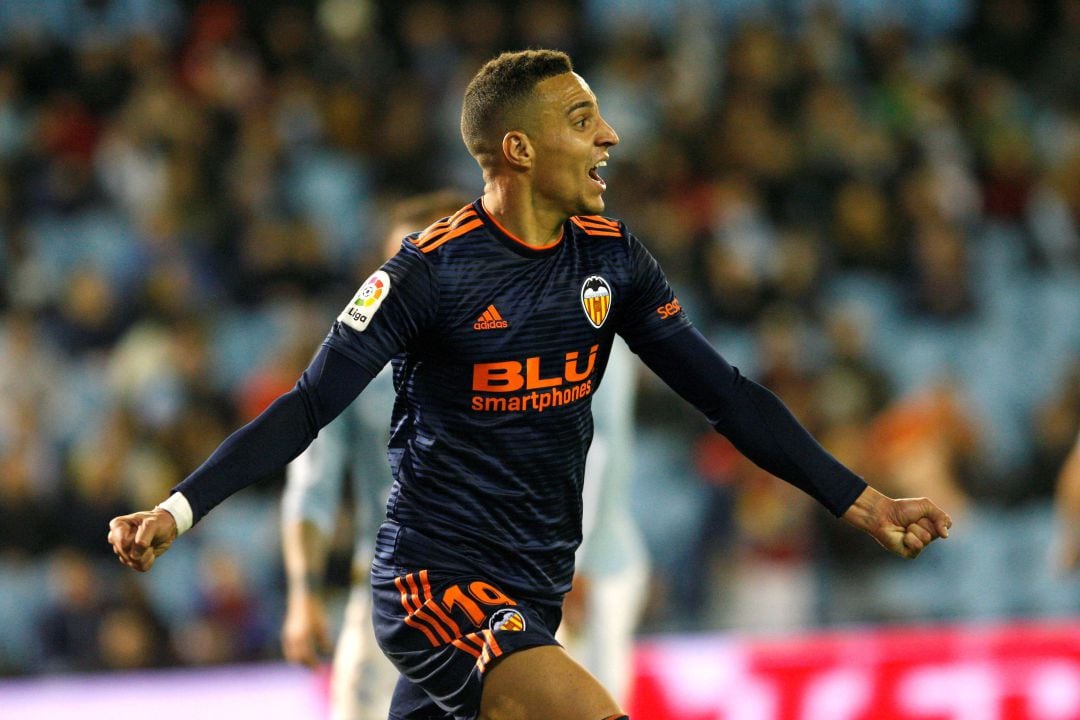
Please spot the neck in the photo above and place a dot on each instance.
(518, 211)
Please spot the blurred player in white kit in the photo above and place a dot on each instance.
(611, 580)
(351, 448)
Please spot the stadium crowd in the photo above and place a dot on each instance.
(871, 207)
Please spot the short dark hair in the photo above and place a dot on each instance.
(498, 88)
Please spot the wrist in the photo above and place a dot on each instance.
(179, 509)
(865, 512)
(305, 585)
(168, 521)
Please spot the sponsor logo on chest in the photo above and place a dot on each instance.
(521, 385)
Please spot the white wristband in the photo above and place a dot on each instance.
(178, 506)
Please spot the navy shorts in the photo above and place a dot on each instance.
(443, 630)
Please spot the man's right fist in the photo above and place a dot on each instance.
(139, 538)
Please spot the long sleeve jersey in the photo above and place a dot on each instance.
(497, 349)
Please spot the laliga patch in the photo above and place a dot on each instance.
(508, 620)
(369, 297)
(596, 299)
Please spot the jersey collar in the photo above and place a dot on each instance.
(511, 241)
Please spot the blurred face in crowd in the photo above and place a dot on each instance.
(570, 142)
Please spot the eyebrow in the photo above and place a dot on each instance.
(580, 104)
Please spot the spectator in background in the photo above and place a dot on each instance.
(24, 512)
(864, 229)
(1054, 215)
(941, 276)
(852, 387)
(100, 465)
(735, 251)
(231, 623)
(1055, 424)
(131, 635)
(72, 614)
(926, 442)
(29, 466)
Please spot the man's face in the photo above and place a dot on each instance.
(571, 141)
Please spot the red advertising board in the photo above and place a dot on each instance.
(1013, 672)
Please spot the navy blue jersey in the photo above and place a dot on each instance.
(498, 348)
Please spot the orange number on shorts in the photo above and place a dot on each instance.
(480, 591)
(488, 595)
(454, 596)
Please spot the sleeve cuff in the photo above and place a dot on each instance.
(178, 506)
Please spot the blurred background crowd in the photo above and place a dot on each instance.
(871, 207)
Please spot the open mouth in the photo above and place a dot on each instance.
(594, 174)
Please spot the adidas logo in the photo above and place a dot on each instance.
(490, 320)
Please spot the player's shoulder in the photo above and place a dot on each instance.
(598, 226)
(603, 235)
(442, 232)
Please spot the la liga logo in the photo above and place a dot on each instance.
(358, 313)
(371, 291)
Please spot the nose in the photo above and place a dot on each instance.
(607, 135)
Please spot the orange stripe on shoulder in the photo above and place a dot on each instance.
(436, 229)
(600, 220)
(460, 229)
(596, 225)
(441, 228)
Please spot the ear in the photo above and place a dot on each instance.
(517, 149)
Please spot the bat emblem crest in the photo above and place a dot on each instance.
(596, 299)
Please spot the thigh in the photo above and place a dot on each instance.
(541, 683)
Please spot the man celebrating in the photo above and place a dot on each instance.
(499, 320)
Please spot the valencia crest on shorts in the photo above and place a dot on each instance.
(596, 299)
(507, 619)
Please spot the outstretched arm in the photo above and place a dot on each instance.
(763, 429)
(261, 447)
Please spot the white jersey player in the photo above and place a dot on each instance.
(352, 446)
(612, 563)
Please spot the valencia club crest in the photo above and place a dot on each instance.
(596, 299)
(507, 620)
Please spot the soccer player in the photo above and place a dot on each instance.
(1067, 506)
(499, 320)
(354, 446)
